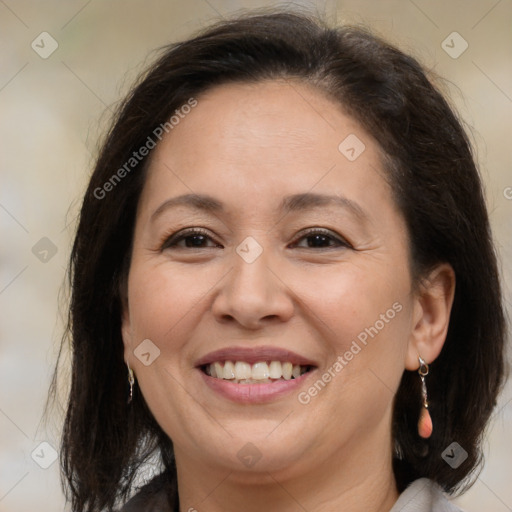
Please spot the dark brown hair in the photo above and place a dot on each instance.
(428, 161)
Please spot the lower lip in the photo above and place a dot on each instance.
(254, 393)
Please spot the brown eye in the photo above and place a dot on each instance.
(320, 239)
(190, 239)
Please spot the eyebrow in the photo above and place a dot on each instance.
(196, 201)
(309, 200)
(293, 203)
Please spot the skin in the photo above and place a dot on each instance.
(248, 146)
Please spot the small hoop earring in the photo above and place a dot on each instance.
(131, 381)
(425, 426)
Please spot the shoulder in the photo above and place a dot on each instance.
(424, 495)
(153, 497)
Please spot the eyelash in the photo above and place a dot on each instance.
(172, 240)
(340, 241)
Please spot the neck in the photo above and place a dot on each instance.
(357, 477)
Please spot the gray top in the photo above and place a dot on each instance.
(422, 495)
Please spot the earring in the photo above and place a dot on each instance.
(131, 381)
(425, 426)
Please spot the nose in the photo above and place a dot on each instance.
(252, 295)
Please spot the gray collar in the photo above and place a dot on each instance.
(423, 495)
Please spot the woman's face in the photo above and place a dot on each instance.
(267, 243)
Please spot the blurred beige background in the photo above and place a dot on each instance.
(54, 107)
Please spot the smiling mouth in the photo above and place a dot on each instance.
(262, 372)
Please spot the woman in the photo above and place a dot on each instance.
(283, 283)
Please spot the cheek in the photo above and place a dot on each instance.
(363, 315)
(365, 324)
(162, 298)
(349, 299)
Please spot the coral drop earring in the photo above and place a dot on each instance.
(425, 425)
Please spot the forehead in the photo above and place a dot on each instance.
(287, 114)
(264, 139)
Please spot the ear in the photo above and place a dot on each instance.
(431, 316)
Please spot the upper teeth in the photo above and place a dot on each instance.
(262, 370)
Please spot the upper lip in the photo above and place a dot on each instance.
(253, 355)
